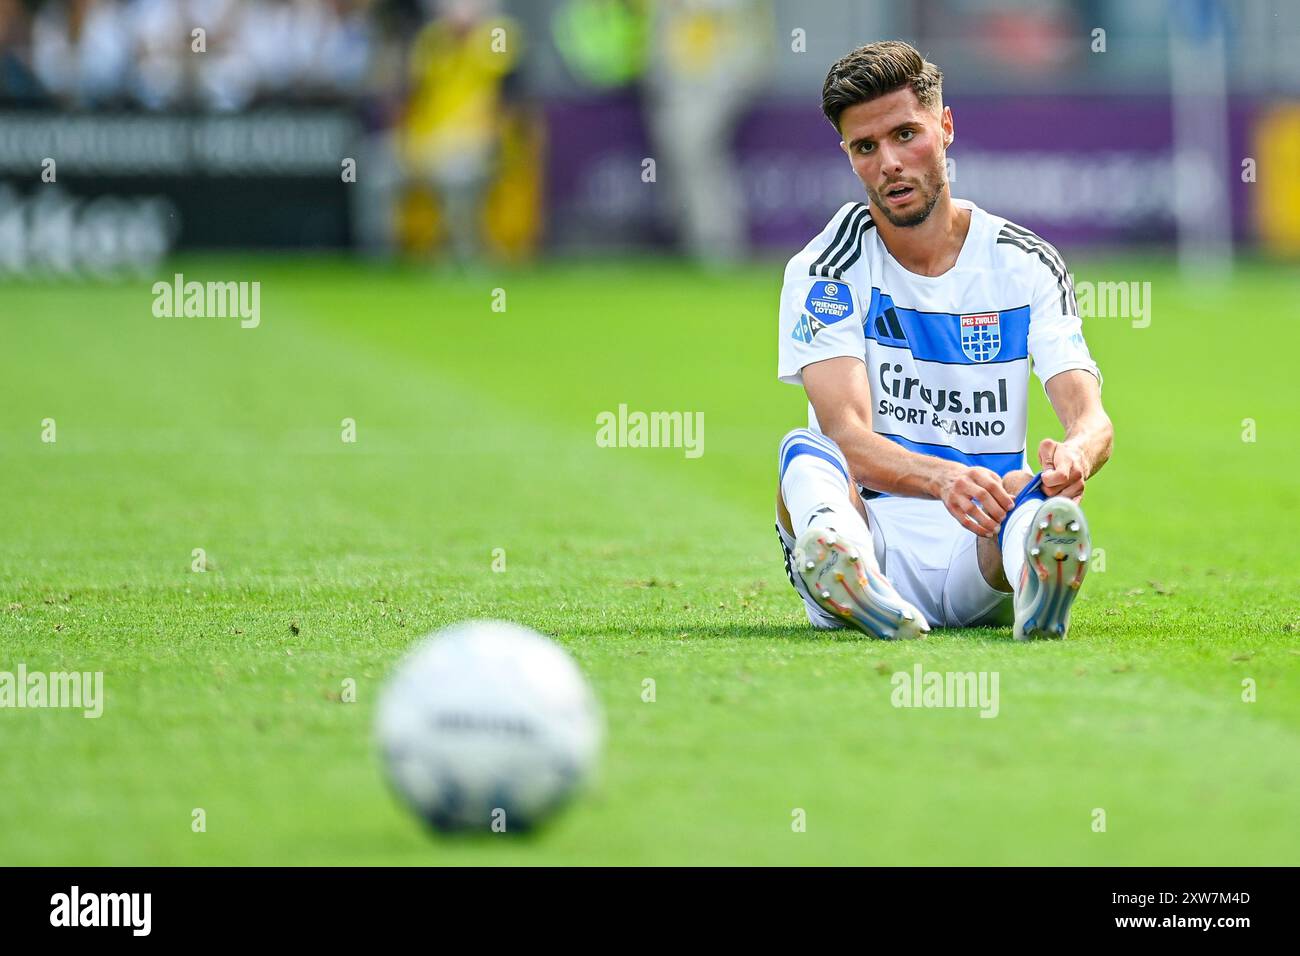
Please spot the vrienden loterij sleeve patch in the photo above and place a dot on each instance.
(829, 301)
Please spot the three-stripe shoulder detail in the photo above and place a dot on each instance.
(1028, 242)
(846, 248)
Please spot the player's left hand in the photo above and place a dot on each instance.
(1064, 469)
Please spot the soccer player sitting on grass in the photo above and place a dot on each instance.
(910, 322)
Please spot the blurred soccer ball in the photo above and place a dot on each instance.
(488, 725)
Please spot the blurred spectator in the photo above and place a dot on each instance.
(706, 64)
(603, 42)
(162, 38)
(81, 50)
(93, 53)
(451, 130)
(18, 82)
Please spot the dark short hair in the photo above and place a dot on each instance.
(876, 69)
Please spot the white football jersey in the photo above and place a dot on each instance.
(947, 357)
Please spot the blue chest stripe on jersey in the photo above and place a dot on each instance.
(998, 462)
(938, 336)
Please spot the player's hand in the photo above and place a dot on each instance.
(1064, 469)
(976, 498)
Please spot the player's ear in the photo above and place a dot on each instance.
(946, 121)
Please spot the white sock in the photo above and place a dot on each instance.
(1018, 524)
(816, 493)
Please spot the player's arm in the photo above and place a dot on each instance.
(1068, 464)
(1072, 382)
(840, 393)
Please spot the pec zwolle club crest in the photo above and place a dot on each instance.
(981, 336)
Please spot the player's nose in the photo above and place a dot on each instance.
(890, 162)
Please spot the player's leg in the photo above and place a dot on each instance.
(975, 589)
(989, 550)
(833, 556)
(1042, 551)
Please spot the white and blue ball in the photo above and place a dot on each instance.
(488, 726)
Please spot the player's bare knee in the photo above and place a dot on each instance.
(1015, 481)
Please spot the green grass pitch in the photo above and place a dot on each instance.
(476, 431)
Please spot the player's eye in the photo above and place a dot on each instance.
(865, 147)
(906, 134)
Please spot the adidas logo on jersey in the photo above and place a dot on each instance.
(888, 326)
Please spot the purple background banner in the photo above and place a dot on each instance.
(1079, 170)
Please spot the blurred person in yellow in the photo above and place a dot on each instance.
(457, 117)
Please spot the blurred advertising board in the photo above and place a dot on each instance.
(103, 194)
